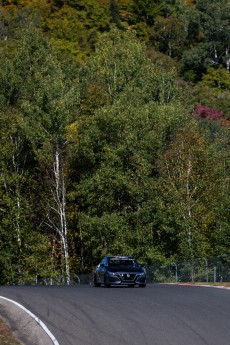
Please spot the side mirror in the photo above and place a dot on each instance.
(102, 265)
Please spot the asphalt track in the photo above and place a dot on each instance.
(156, 315)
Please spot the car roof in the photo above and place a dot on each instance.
(119, 257)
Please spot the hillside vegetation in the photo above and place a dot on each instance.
(114, 138)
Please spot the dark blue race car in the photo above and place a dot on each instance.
(119, 270)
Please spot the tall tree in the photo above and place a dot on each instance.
(46, 100)
(15, 167)
(215, 21)
(118, 144)
(216, 131)
(187, 184)
(171, 34)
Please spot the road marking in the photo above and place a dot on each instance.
(54, 340)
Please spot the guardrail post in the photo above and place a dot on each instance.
(214, 275)
(206, 269)
(174, 263)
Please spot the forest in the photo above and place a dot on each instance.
(115, 133)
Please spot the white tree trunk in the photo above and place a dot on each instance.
(227, 59)
(60, 199)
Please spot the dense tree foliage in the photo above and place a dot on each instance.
(114, 133)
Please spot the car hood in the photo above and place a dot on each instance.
(137, 269)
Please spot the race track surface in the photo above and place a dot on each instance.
(156, 315)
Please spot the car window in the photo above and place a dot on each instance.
(121, 262)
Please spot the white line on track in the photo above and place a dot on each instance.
(54, 340)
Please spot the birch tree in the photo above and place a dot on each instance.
(13, 185)
(47, 100)
(51, 99)
(188, 188)
(24, 250)
(215, 22)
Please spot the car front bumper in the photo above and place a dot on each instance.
(126, 279)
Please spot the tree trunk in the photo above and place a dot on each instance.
(227, 59)
(60, 199)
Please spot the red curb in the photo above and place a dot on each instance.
(200, 285)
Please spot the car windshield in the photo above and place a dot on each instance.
(121, 262)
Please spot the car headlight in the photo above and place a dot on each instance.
(143, 273)
(112, 273)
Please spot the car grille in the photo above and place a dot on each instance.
(128, 277)
(114, 279)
